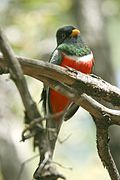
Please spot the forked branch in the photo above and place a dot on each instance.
(79, 88)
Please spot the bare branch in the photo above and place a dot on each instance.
(78, 87)
(18, 77)
(40, 137)
(93, 86)
(54, 76)
(103, 149)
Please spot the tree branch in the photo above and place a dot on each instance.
(62, 80)
(32, 113)
(78, 87)
(93, 86)
(18, 77)
(103, 149)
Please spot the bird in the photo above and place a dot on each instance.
(71, 51)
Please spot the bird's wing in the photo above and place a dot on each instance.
(71, 110)
(55, 58)
(52, 124)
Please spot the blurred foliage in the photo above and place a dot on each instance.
(31, 25)
(27, 23)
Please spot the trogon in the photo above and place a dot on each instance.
(73, 52)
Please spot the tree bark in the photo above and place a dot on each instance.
(10, 160)
(89, 17)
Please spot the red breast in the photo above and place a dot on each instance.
(84, 65)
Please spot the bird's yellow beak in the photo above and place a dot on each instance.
(75, 32)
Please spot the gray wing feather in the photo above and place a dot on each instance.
(56, 57)
(71, 110)
(45, 91)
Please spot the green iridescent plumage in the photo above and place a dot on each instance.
(76, 48)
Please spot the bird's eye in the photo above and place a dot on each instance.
(63, 36)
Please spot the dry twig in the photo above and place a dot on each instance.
(78, 87)
(31, 111)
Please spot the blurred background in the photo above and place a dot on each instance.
(30, 27)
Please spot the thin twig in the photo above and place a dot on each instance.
(62, 166)
(77, 87)
(36, 123)
(31, 111)
(65, 139)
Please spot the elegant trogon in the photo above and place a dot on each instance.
(71, 51)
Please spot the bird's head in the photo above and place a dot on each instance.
(67, 33)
